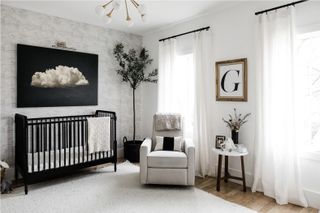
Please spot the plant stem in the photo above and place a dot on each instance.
(134, 113)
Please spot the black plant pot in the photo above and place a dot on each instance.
(235, 136)
(132, 150)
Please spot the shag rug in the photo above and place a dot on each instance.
(103, 190)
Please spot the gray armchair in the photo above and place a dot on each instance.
(167, 167)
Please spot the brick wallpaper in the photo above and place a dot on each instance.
(26, 27)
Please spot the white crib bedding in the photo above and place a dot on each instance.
(64, 153)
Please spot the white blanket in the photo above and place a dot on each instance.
(99, 134)
(167, 122)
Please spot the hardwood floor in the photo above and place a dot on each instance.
(257, 201)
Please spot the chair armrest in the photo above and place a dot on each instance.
(189, 147)
(145, 149)
(190, 152)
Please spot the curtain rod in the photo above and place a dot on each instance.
(193, 31)
(275, 8)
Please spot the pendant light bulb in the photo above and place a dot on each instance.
(129, 22)
(100, 10)
(144, 18)
(108, 19)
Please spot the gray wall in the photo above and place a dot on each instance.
(26, 27)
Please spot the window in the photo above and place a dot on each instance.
(184, 76)
(309, 61)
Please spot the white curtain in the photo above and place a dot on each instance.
(279, 128)
(202, 132)
(185, 86)
(166, 78)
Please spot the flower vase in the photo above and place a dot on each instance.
(235, 136)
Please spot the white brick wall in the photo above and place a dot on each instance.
(26, 27)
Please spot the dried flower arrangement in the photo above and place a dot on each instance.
(234, 123)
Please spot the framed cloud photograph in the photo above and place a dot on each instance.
(49, 77)
(231, 80)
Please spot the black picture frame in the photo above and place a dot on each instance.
(219, 140)
(32, 59)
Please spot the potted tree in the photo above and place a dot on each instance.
(131, 69)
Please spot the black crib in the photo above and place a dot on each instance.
(52, 147)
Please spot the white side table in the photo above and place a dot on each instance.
(227, 176)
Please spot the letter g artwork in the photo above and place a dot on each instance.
(231, 80)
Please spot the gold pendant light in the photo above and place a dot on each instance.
(106, 10)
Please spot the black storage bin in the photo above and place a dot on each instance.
(132, 150)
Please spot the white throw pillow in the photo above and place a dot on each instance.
(168, 143)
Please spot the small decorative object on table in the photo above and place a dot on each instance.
(234, 123)
(5, 185)
(219, 141)
(241, 148)
(228, 145)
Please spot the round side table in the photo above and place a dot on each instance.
(227, 176)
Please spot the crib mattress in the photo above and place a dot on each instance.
(62, 158)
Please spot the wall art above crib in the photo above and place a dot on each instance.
(53, 77)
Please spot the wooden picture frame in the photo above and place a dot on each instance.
(231, 80)
(219, 139)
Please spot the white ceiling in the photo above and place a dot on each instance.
(159, 13)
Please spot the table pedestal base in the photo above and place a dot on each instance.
(227, 174)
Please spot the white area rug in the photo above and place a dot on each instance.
(105, 191)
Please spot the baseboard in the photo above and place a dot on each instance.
(313, 198)
(237, 173)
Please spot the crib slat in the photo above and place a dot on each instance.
(54, 144)
(49, 146)
(82, 139)
(78, 134)
(32, 149)
(64, 142)
(59, 142)
(38, 145)
(44, 146)
(86, 139)
(74, 142)
(69, 142)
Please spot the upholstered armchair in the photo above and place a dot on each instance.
(167, 167)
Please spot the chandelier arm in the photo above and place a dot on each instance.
(105, 5)
(135, 3)
(128, 17)
(110, 13)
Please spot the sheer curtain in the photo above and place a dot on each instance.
(176, 87)
(166, 79)
(279, 128)
(202, 133)
(185, 86)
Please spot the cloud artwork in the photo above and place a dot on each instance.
(60, 77)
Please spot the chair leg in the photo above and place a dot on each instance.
(243, 175)
(219, 172)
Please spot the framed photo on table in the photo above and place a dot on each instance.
(219, 140)
(231, 80)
